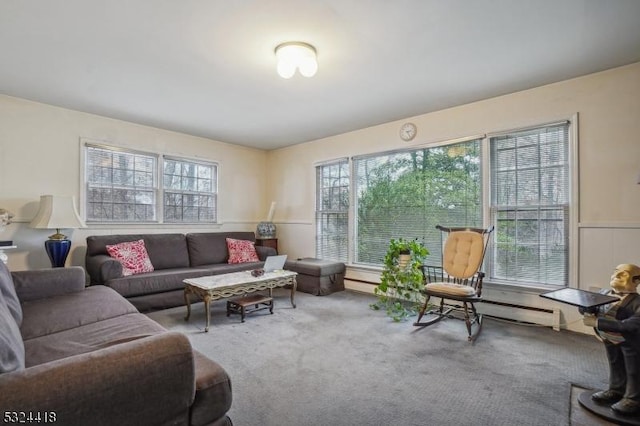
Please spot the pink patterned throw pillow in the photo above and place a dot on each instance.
(133, 256)
(241, 251)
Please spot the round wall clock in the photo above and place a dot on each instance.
(408, 131)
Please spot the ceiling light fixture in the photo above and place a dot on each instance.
(294, 55)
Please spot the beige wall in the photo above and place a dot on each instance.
(40, 154)
(608, 107)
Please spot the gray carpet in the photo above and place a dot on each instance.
(334, 361)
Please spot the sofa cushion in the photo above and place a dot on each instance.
(165, 250)
(133, 256)
(8, 293)
(55, 314)
(211, 247)
(154, 282)
(213, 391)
(89, 338)
(12, 355)
(241, 251)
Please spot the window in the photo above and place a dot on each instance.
(332, 210)
(405, 194)
(530, 205)
(189, 194)
(526, 195)
(122, 186)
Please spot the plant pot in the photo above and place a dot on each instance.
(403, 260)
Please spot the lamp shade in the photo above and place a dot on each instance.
(57, 212)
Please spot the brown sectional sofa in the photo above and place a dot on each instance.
(175, 257)
(85, 356)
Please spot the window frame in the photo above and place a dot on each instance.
(212, 194)
(572, 216)
(567, 209)
(343, 253)
(158, 187)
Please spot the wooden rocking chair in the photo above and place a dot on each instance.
(458, 282)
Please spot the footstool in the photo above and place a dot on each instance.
(248, 304)
(317, 276)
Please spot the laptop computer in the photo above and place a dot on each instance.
(274, 263)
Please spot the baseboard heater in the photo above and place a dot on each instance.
(520, 313)
(490, 308)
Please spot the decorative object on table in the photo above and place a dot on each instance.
(57, 212)
(5, 219)
(267, 229)
(401, 284)
(257, 272)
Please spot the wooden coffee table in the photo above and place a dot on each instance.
(215, 287)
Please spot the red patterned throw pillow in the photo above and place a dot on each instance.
(133, 256)
(241, 251)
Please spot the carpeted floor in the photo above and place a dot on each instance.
(334, 361)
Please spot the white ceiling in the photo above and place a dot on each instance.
(207, 67)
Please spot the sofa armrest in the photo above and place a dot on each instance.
(41, 283)
(102, 268)
(150, 380)
(264, 251)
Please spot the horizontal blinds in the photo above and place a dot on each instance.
(406, 194)
(190, 191)
(530, 205)
(121, 185)
(332, 210)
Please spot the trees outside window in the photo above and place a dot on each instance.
(122, 186)
(406, 194)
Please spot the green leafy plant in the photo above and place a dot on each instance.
(401, 283)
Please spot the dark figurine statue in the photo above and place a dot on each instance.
(618, 324)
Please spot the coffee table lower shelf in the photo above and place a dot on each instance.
(249, 304)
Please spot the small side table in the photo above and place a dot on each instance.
(248, 304)
(268, 242)
(3, 255)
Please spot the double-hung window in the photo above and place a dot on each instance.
(332, 210)
(188, 191)
(120, 185)
(123, 185)
(530, 201)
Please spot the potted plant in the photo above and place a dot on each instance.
(401, 283)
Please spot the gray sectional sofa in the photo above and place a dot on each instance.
(76, 355)
(175, 257)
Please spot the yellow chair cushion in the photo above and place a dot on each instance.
(452, 289)
(463, 253)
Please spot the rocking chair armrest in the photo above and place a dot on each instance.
(432, 273)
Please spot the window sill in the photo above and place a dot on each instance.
(520, 288)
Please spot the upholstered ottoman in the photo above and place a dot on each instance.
(317, 276)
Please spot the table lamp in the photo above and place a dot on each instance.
(57, 212)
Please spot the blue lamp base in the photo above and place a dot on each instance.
(58, 250)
